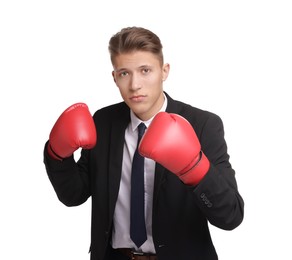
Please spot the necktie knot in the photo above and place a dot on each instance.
(141, 131)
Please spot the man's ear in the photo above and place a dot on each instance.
(113, 74)
(165, 71)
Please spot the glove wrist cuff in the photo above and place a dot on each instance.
(194, 175)
(53, 154)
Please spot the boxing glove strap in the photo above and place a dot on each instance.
(200, 157)
(55, 154)
(194, 175)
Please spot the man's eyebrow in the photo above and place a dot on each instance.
(140, 67)
(121, 69)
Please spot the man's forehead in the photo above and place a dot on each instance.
(135, 60)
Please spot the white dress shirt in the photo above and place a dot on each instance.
(121, 230)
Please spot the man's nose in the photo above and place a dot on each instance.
(135, 82)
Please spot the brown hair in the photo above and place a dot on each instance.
(131, 39)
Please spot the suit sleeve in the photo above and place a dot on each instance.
(69, 179)
(217, 194)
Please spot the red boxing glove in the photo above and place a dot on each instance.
(171, 141)
(74, 129)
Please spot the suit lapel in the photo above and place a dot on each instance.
(116, 156)
(159, 179)
(160, 171)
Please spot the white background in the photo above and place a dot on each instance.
(233, 58)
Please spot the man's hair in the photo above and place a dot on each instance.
(132, 39)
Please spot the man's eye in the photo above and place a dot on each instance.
(123, 74)
(146, 71)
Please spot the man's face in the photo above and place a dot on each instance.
(139, 77)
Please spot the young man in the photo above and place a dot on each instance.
(188, 179)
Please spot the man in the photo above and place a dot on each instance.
(188, 179)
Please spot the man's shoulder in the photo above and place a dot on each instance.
(113, 109)
(189, 111)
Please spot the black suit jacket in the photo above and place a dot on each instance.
(180, 213)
